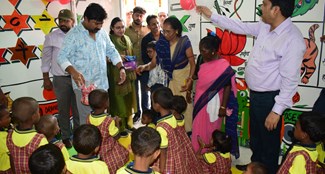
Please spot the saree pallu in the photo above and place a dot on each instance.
(212, 78)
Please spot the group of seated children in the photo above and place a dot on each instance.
(31, 147)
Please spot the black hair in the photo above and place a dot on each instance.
(180, 104)
(140, 10)
(2, 108)
(24, 108)
(96, 12)
(149, 113)
(114, 21)
(313, 124)
(175, 24)
(145, 141)
(98, 98)
(149, 17)
(221, 141)
(164, 97)
(286, 6)
(45, 125)
(258, 168)
(46, 159)
(86, 138)
(211, 43)
(152, 45)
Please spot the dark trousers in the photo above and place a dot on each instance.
(319, 105)
(264, 144)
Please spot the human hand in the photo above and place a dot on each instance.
(189, 97)
(204, 10)
(200, 141)
(188, 85)
(47, 83)
(140, 69)
(271, 121)
(222, 112)
(122, 76)
(78, 78)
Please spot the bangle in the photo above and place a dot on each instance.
(122, 67)
(222, 107)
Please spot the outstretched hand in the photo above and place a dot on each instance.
(204, 10)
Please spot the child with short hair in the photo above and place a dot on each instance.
(5, 120)
(47, 159)
(111, 151)
(148, 117)
(24, 139)
(217, 159)
(145, 145)
(48, 125)
(172, 158)
(86, 141)
(255, 168)
(302, 158)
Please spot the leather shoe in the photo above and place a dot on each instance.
(67, 143)
(136, 117)
(242, 167)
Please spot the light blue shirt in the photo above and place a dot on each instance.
(274, 62)
(88, 56)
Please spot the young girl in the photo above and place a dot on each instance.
(148, 117)
(217, 159)
(5, 120)
(172, 158)
(302, 158)
(114, 154)
(48, 125)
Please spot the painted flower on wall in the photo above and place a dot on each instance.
(231, 45)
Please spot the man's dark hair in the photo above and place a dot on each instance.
(145, 141)
(86, 138)
(47, 159)
(149, 17)
(140, 10)
(286, 6)
(95, 12)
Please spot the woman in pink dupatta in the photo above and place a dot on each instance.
(216, 82)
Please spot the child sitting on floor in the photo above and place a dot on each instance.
(145, 145)
(217, 159)
(48, 125)
(5, 120)
(302, 158)
(47, 159)
(86, 141)
(24, 139)
(111, 151)
(148, 117)
(255, 168)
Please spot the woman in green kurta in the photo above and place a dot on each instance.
(122, 97)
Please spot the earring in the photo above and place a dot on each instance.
(212, 53)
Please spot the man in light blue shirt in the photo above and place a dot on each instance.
(85, 51)
(62, 84)
(272, 73)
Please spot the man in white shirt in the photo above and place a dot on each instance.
(61, 80)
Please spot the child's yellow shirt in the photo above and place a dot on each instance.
(86, 166)
(4, 157)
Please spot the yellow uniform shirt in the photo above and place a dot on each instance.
(22, 138)
(4, 157)
(128, 169)
(299, 163)
(86, 166)
(64, 150)
(321, 153)
(152, 125)
(211, 157)
(171, 120)
(96, 120)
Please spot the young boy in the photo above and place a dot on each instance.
(255, 168)
(48, 125)
(145, 145)
(47, 159)
(5, 120)
(24, 139)
(148, 117)
(302, 158)
(86, 141)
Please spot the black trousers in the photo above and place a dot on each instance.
(264, 144)
(320, 103)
